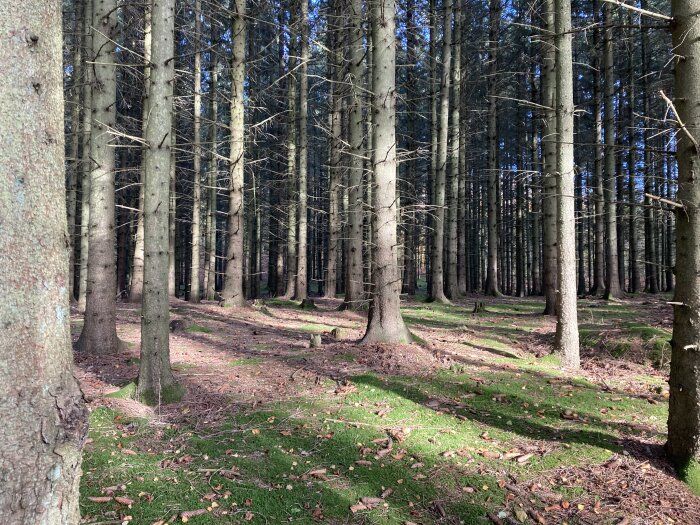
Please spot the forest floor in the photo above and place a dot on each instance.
(475, 423)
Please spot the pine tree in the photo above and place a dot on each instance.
(43, 414)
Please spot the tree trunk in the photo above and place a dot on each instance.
(300, 291)
(292, 204)
(494, 173)
(437, 282)
(598, 286)
(612, 278)
(566, 341)
(651, 283)
(385, 323)
(195, 293)
(683, 444)
(232, 293)
(212, 190)
(156, 383)
(635, 279)
(549, 150)
(85, 161)
(172, 224)
(42, 409)
(100, 329)
(73, 160)
(136, 288)
(354, 284)
(452, 238)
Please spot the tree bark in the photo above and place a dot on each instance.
(292, 204)
(195, 292)
(566, 340)
(453, 291)
(85, 161)
(385, 324)
(598, 286)
(437, 270)
(100, 329)
(683, 444)
(156, 384)
(354, 283)
(136, 288)
(612, 278)
(42, 409)
(549, 149)
(212, 178)
(301, 287)
(494, 172)
(232, 293)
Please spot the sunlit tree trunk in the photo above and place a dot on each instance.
(453, 291)
(232, 293)
(212, 181)
(566, 341)
(156, 383)
(385, 323)
(437, 282)
(301, 286)
(44, 419)
(354, 285)
(85, 161)
(197, 157)
(136, 288)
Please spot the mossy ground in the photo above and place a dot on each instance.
(434, 445)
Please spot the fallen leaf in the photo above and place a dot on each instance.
(124, 500)
(100, 499)
(521, 515)
(357, 507)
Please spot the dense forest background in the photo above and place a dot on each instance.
(495, 139)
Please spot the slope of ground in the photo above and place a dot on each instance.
(474, 425)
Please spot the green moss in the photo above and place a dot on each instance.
(419, 340)
(168, 394)
(690, 474)
(199, 328)
(246, 361)
(126, 392)
(181, 367)
(315, 328)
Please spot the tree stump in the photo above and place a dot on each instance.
(315, 341)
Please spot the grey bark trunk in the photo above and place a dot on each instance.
(354, 284)
(42, 409)
(232, 293)
(612, 278)
(301, 287)
(683, 444)
(385, 323)
(136, 288)
(437, 270)
(100, 329)
(453, 290)
(195, 292)
(566, 339)
(156, 384)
